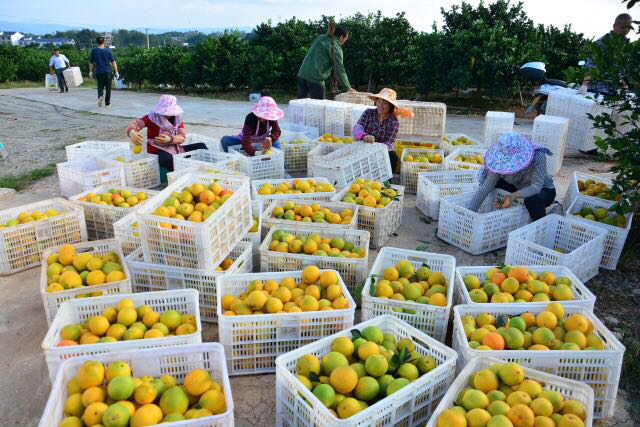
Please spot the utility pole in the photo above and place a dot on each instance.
(146, 30)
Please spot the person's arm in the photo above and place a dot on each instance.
(92, 59)
(115, 65)
(181, 136)
(538, 177)
(340, 71)
(51, 69)
(358, 130)
(66, 60)
(247, 131)
(486, 186)
(275, 131)
(133, 130)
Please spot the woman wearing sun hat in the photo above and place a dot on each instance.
(260, 126)
(165, 131)
(381, 124)
(518, 166)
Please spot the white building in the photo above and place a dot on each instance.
(44, 42)
(10, 37)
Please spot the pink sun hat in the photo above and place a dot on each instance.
(266, 108)
(167, 106)
(510, 154)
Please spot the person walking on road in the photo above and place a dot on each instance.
(57, 64)
(103, 59)
(324, 59)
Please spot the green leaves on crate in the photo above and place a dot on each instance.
(387, 184)
(398, 359)
(355, 334)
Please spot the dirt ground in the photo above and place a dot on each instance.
(39, 131)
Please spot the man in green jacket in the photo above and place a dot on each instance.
(318, 64)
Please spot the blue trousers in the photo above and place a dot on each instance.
(228, 141)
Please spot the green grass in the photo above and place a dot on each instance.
(18, 182)
(20, 84)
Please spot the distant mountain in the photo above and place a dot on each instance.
(44, 28)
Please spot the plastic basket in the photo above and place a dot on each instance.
(568, 388)
(51, 82)
(580, 125)
(212, 143)
(381, 223)
(295, 111)
(125, 231)
(581, 244)
(201, 245)
(72, 76)
(78, 310)
(83, 175)
(495, 124)
(559, 103)
(255, 238)
(252, 342)
(355, 98)
(100, 218)
(209, 159)
(616, 236)
(149, 277)
(343, 166)
(85, 149)
(21, 245)
(410, 406)
(430, 319)
(432, 186)
(314, 113)
(295, 154)
(448, 147)
(482, 231)
(429, 119)
(583, 296)
(268, 198)
(141, 170)
(337, 118)
(352, 270)
(409, 170)
(451, 164)
(551, 132)
(173, 176)
(319, 150)
(269, 221)
(573, 192)
(308, 131)
(599, 369)
(262, 166)
(177, 361)
(53, 300)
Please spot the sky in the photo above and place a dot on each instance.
(591, 17)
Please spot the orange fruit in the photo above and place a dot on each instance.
(493, 340)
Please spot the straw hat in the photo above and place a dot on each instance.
(510, 154)
(391, 97)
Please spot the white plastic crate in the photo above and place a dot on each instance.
(495, 124)
(573, 191)
(269, 221)
(126, 232)
(551, 132)
(381, 223)
(72, 76)
(409, 170)
(314, 113)
(268, 198)
(79, 310)
(352, 270)
(580, 125)
(252, 342)
(173, 176)
(410, 406)
(209, 159)
(432, 186)
(149, 277)
(429, 119)
(83, 175)
(188, 244)
(599, 369)
(295, 111)
(616, 236)
(569, 389)
(337, 118)
(451, 164)
(308, 131)
(255, 238)
(559, 103)
(262, 166)
(100, 218)
(295, 154)
(53, 300)
(85, 149)
(21, 245)
(212, 143)
(355, 98)
(51, 82)
(448, 147)
(319, 150)
(583, 298)
(582, 245)
(358, 160)
(177, 361)
(140, 170)
(482, 231)
(430, 319)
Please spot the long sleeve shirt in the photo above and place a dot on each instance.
(153, 130)
(59, 61)
(384, 132)
(255, 130)
(318, 63)
(529, 181)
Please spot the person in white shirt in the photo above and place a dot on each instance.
(57, 64)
